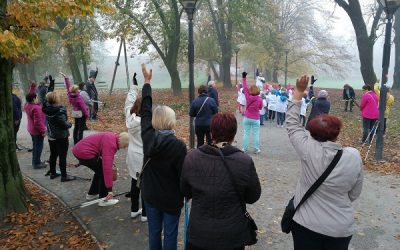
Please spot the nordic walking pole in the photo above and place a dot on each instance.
(369, 134)
(186, 224)
(375, 128)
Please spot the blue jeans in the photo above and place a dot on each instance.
(37, 147)
(262, 118)
(280, 118)
(254, 126)
(159, 221)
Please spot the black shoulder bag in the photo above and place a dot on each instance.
(287, 218)
(251, 224)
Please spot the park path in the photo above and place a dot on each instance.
(377, 210)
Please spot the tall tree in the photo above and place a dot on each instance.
(20, 23)
(158, 26)
(396, 76)
(365, 41)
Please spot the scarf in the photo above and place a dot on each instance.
(166, 132)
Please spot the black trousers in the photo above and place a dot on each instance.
(347, 102)
(202, 131)
(78, 129)
(384, 127)
(135, 191)
(271, 115)
(16, 128)
(98, 185)
(189, 246)
(58, 149)
(305, 239)
(368, 124)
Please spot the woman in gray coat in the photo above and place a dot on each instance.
(325, 220)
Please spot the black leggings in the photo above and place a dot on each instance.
(78, 129)
(271, 115)
(58, 149)
(202, 131)
(305, 239)
(98, 185)
(135, 191)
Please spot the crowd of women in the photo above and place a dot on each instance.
(217, 177)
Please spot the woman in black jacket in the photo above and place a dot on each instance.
(58, 133)
(217, 219)
(163, 156)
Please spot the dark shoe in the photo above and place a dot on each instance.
(53, 176)
(39, 166)
(68, 178)
(29, 150)
(128, 195)
(47, 173)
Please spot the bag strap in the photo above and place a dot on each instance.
(242, 202)
(321, 179)
(202, 106)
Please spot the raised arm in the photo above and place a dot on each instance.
(52, 82)
(146, 112)
(245, 89)
(67, 83)
(131, 97)
(297, 134)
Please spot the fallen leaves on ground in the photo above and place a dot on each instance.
(43, 226)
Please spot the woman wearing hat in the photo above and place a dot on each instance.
(319, 105)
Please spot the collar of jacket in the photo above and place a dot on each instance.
(227, 150)
(332, 145)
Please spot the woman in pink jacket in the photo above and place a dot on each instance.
(97, 152)
(36, 128)
(369, 107)
(251, 121)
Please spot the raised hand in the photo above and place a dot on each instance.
(313, 80)
(134, 79)
(302, 83)
(147, 74)
(64, 75)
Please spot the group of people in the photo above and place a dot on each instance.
(217, 177)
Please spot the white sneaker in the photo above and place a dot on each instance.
(106, 203)
(143, 218)
(134, 214)
(90, 197)
(257, 151)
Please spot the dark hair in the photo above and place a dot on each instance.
(325, 127)
(367, 87)
(81, 85)
(136, 106)
(202, 89)
(30, 97)
(223, 127)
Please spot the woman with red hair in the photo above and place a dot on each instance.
(325, 220)
(217, 220)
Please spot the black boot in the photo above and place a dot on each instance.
(53, 176)
(67, 178)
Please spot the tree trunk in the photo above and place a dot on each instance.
(13, 195)
(214, 70)
(226, 72)
(73, 64)
(268, 75)
(84, 63)
(31, 71)
(396, 75)
(175, 80)
(275, 76)
(23, 75)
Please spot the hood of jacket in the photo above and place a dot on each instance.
(211, 150)
(51, 110)
(162, 143)
(74, 99)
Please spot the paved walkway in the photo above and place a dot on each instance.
(377, 210)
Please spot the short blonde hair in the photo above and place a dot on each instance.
(52, 98)
(123, 140)
(163, 118)
(75, 89)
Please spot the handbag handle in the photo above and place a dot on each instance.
(242, 202)
(321, 179)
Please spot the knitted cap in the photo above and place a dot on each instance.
(322, 94)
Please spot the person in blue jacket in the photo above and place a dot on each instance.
(202, 109)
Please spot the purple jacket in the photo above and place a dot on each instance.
(76, 101)
(369, 105)
(36, 119)
(253, 103)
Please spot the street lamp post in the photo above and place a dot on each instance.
(286, 66)
(390, 7)
(190, 7)
(236, 49)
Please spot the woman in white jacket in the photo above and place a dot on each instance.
(134, 158)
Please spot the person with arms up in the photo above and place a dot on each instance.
(202, 109)
(326, 220)
(217, 219)
(93, 94)
(134, 157)
(162, 165)
(97, 152)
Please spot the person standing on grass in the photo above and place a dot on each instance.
(389, 103)
(88, 102)
(57, 133)
(369, 107)
(134, 157)
(326, 219)
(97, 152)
(202, 109)
(17, 116)
(213, 92)
(251, 121)
(93, 94)
(79, 110)
(162, 165)
(36, 128)
(349, 97)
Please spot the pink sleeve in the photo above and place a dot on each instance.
(107, 153)
(32, 88)
(38, 121)
(363, 102)
(246, 90)
(83, 107)
(67, 85)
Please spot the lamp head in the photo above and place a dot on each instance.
(236, 49)
(287, 51)
(190, 7)
(390, 6)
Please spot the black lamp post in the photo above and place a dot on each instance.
(236, 49)
(286, 66)
(190, 7)
(390, 7)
